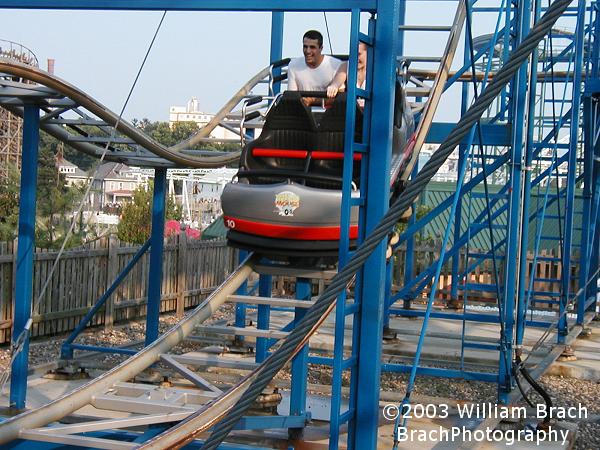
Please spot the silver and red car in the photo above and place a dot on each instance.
(287, 195)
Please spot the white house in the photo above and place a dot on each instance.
(191, 113)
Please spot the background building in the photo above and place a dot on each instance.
(191, 113)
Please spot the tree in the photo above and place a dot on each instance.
(136, 217)
(422, 210)
(168, 136)
(55, 204)
(9, 204)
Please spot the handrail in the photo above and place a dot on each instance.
(438, 87)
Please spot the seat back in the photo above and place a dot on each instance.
(288, 126)
(330, 138)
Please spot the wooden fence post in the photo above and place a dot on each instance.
(181, 273)
(112, 270)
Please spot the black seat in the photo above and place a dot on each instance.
(330, 138)
(288, 126)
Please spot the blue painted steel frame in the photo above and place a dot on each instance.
(591, 193)
(25, 250)
(194, 5)
(521, 297)
(157, 239)
(365, 389)
(300, 361)
(571, 173)
(336, 418)
(532, 150)
(263, 317)
(371, 293)
(519, 96)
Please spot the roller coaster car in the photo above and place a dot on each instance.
(286, 200)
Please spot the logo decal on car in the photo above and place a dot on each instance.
(286, 202)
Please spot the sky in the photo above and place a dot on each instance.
(207, 55)
(202, 54)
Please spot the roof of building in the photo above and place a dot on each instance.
(215, 230)
(112, 170)
(474, 207)
(61, 161)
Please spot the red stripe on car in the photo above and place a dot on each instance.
(330, 233)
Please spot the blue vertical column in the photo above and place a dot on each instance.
(592, 123)
(276, 45)
(389, 281)
(336, 421)
(263, 316)
(156, 254)
(462, 154)
(586, 222)
(592, 287)
(519, 95)
(571, 175)
(300, 361)
(240, 308)
(371, 292)
(523, 269)
(25, 250)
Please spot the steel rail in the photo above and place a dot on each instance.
(426, 74)
(211, 413)
(12, 428)
(438, 87)
(173, 154)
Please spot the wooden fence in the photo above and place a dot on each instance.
(483, 274)
(191, 270)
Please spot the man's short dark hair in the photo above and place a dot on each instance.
(314, 35)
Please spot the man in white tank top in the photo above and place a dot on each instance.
(315, 71)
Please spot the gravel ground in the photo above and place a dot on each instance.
(47, 350)
(564, 391)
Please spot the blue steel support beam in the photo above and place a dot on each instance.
(371, 294)
(519, 95)
(240, 308)
(593, 289)
(24, 273)
(495, 134)
(263, 316)
(66, 349)
(340, 308)
(586, 232)
(571, 174)
(422, 277)
(157, 237)
(507, 31)
(593, 124)
(389, 270)
(194, 5)
(521, 299)
(276, 53)
(300, 361)
(463, 150)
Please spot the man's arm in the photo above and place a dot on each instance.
(292, 84)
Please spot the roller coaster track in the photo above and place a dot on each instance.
(90, 131)
(32, 424)
(17, 427)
